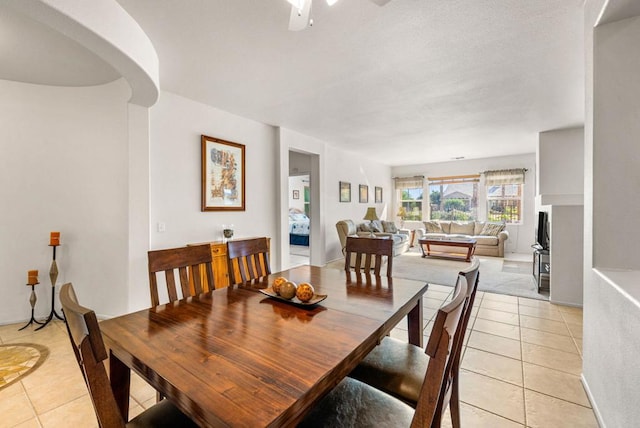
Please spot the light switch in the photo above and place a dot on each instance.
(162, 226)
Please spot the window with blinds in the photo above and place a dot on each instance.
(409, 192)
(504, 195)
(454, 197)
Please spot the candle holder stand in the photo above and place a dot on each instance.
(53, 275)
(32, 299)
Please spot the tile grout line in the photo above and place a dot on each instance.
(558, 398)
(524, 396)
(33, 408)
(493, 413)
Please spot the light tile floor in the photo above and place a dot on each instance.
(521, 367)
(521, 364)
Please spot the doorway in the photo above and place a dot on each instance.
(299, 208)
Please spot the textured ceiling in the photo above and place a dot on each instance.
(414, 81)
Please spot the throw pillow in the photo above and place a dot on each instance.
(389, 227)
(376, 226)
(364, 227)
(492, 229)
(458, 228)
(432, 227)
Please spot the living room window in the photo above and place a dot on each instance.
(409, 191)
(454, 197)
(504, 195)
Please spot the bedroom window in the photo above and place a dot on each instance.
(307, 200)
(454, 197)
(409, 193)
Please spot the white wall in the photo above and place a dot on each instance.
(560, 162)
(355, 169)
(616, 177)
(176, 126)
(560, 166)
(566, 256)
(520, 236)
(612, 129)
(64, 167)
(299, 163)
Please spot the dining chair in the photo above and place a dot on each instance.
(355, 404)
(398, 368)
(187, 261)
(248, 260)
(365, 254)
(90, 352)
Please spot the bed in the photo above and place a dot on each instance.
(298, 227)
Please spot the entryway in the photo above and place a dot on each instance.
(299, 208)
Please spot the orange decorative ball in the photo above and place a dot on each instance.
(305, 292)
(288, 290)
(277, 283)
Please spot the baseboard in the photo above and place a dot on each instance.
(25, 320)
(594, 406)
(558, 302)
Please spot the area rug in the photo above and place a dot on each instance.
(17, 360)
(497, 275)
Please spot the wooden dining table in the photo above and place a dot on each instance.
(235, 357)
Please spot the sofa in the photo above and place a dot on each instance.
(490, 237)
(380, 228)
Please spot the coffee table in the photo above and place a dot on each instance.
(469, 244)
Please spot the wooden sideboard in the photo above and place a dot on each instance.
(220, 263)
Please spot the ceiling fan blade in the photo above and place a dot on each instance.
(381, 2)
(299, 18)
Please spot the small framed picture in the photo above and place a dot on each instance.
(296, 194)
(378, 195)
(364, 193)
(345, 191)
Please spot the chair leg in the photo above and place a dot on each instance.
(454, 403)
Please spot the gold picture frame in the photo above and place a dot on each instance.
(223, 175)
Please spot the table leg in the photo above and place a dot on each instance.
(120, 376)
(415, 324)
(469, 253)
(424, 253)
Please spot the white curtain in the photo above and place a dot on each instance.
(504, 176)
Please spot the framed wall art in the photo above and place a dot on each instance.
(378, 195)
(223, 175)
(345, 191)
(364, 193)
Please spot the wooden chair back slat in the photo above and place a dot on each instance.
(439, 348)
(250, 258)
(367, 254)
(472, 275)
(90, 352)
(187, 261)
